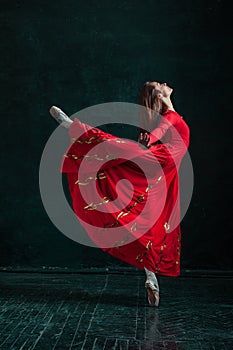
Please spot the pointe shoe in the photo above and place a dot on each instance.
(152, 293)
(60, 116)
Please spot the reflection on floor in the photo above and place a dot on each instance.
(109, 310)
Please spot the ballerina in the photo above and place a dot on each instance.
(157, 252)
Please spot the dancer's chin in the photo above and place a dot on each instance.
(168, 93)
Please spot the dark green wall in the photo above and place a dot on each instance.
(75, 54)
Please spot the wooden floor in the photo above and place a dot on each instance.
(109, 310)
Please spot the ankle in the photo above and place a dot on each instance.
(151, 278)
(149, 274)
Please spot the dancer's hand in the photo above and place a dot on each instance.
(166, 101)
(144, 139)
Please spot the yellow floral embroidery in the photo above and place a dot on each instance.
(94, 156)
(139, 199)
(96, 139)
(159, 178)
(89, 140)
(121, 214)
(120, 141)
(93, 206)
(99, 176)
(133, 228)
(140, 257)
(148, 188)
(166, 226)
(149, 245)
(162, 247)
(74, 156)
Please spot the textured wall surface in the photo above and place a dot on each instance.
(75, 54)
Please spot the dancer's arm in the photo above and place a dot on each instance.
(168, 119)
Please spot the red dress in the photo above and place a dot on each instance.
(137, 221)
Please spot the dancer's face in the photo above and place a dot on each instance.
(163, 87)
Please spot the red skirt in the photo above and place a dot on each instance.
(126, 198)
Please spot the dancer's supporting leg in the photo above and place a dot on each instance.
(152, 287)
(60, 116)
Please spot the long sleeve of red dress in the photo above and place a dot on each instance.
(168, 119)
